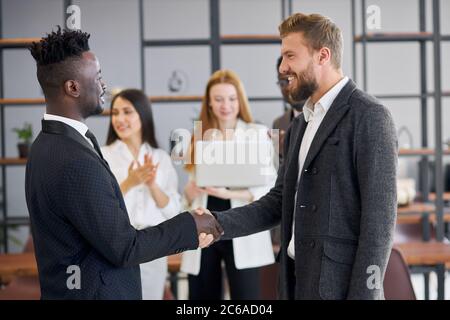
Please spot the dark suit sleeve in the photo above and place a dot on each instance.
(376, 163)
(88, 199)
(259, 215)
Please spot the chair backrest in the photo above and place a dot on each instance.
(397, 280)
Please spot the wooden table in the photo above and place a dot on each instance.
(14, 265)
(430, 254)
(174, 263)
(24, 264)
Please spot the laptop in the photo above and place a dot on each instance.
(234, 164)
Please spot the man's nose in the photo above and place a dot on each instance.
(283, 69)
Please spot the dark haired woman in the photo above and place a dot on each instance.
(146, 175)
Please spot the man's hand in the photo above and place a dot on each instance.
(205, 240)
(206, 224)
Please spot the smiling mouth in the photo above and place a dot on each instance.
(290, 79)
(122, 128)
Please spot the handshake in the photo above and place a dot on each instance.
(208, 229)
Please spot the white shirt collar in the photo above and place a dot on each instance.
(77, 125)
(325, 101)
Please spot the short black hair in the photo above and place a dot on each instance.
(143, 107)
(56, 56)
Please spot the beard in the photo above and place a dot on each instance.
(306, 86)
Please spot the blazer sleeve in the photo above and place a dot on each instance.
(259, 215)
(376, 162)
(91, 201)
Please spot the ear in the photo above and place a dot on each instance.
(324, 55)
(72, 88)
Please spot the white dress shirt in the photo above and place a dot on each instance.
(314, 114)
(142, 209)
(77, 125)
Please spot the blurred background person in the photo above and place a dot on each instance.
(293, 108)
(225, 108)
(282, 123)
(145, 173)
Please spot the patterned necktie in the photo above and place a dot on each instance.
(91, 136)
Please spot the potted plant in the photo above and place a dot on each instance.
(25, 135)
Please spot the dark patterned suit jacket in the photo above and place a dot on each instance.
(78, 218)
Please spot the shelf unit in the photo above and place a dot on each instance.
(7, 221)
(215, 41)
(5, 44)
(421, 37)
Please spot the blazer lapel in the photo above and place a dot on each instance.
(57, 127)
(290, 187)
(296, 139)
(337, 110)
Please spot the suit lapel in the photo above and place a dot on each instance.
(337, 110)
(57, 127)
(298, 130)
(296, 140)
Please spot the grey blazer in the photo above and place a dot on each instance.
(346, 204)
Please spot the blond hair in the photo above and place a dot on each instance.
(207, 117)
(319, 32)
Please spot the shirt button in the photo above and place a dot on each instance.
(313, 208)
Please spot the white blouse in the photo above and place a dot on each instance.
(141, 207)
